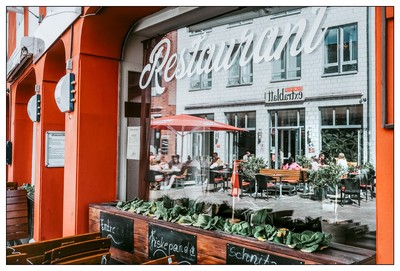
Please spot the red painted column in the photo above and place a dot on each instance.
(49, 181)
(90, 172)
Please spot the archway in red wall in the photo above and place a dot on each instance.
(22, 131)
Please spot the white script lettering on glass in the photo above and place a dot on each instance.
(219, 56)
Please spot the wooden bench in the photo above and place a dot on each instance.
(17, 216)
(164, 260)
(36, 251)
(290, 178)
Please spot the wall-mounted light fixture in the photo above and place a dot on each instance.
(259, 136)
(65, 93)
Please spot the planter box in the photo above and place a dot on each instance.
(198, 246)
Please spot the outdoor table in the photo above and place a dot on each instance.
(280, 176)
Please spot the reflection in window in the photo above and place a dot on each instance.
(203, 80)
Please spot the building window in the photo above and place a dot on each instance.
(239, 143)
(341, 49)
(203, 80)
(239, 75)
(341, 131)
(287, 66)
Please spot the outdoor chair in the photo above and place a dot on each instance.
(152, 178)
(263, 182)
(243, 184)
(350, 186)
(367, 182)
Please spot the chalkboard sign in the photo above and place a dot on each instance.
(119, 229)
(242, 255)
(163, 242)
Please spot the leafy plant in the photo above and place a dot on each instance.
(252, 166)
(335, 141)
(328, 175)
(303, 161)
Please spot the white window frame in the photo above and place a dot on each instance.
(204, 80)
(285, 58)
(245, 71)
(340, 51)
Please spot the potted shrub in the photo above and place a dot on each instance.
(252, 166)
(326, 177)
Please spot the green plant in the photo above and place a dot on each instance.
(328, 175)
(303, 161)
(252, 166)
(335, 141)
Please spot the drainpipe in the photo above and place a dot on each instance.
(368, 89)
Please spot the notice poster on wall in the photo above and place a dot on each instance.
(133, 146)
(55, 148)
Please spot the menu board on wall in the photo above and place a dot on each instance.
(55, 148)
(241, 255)
(119, 229)
(133, 146)
(163, 242)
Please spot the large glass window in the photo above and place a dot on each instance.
(287, 66)
(341, 48)
(239, 75)
(203, 80)
(243, 141)
(341, 131)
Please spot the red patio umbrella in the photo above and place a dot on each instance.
(186, 123)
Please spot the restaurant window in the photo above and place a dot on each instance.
(341, 49)
(341, 131)
(239, 75)
(287, 66)
(203, 80)
(241, 142)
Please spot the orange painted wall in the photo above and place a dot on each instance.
(384, 148)
(95, 155)
(49, 185)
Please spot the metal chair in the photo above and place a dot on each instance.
(263, 182)
(367, 182)
(350, 186)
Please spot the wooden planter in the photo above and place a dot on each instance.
(147, 238)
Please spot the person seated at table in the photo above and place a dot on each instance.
(247, 156)
(216, 162)
(163, 163)
(341, 161)
(321, 159)
(314, 163)
(175, 165)
(193, 162)
(158, 177)
(172, 179)
(291, 165)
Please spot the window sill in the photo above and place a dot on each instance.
(239, 85)
(285, 80)
(198, 89)
(338, 74)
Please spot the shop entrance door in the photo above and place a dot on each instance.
(289, 143)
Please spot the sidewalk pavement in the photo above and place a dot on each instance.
(303, 207)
